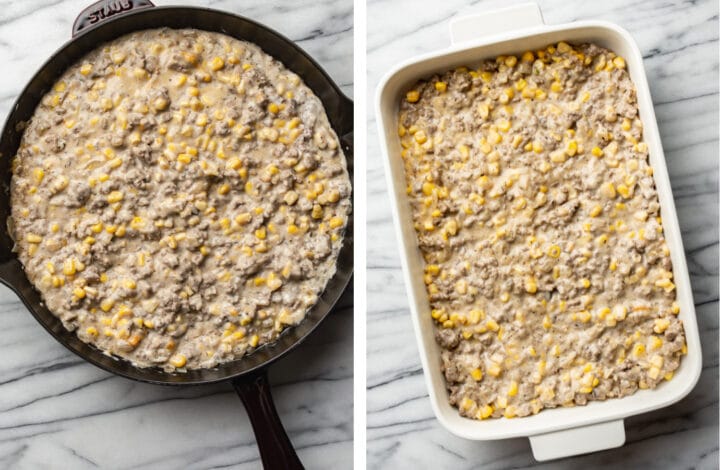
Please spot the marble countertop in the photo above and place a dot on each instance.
(679, 41)
(57, 411)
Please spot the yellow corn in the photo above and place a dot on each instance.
(608, 190)
(224, 189)
(178, 360)
(115, 196)
(661, 324)
(624, 191)
(494, 370)
(160, 104)
(216, 64)
(531, 285)
(69, 267)
(485, 412)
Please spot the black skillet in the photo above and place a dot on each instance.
(104, 21)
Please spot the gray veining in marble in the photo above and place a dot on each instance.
(679, 41)
(58, 412)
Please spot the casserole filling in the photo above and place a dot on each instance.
(548, 275)
(179, 198)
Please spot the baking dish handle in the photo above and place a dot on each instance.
(472, 27)
(104, 9)
(576, 441)
(276, 450)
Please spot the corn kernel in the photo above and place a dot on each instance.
(494, 370)
(504, 125)
(638, 350)
(178, 360)
(608, 190)
(115, 196)
(554, 251)
(223, 189)
(107, 305)
(661, 324)
(485, 412)
(69, 268)
(79, 292)
(624, 191)
(201, 120)
(217, 64)
(531, 285)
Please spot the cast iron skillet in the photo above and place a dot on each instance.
(107, 20)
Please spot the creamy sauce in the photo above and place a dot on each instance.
(547, 271)
(179, 198)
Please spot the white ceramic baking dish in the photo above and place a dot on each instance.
(553, 433)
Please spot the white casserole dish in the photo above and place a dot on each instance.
(559, 432)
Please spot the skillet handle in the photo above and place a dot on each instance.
(276, 450)
(104, 9)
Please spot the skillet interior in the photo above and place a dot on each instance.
(340, 113)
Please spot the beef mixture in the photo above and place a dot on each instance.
(548, 275)
(179, 198)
